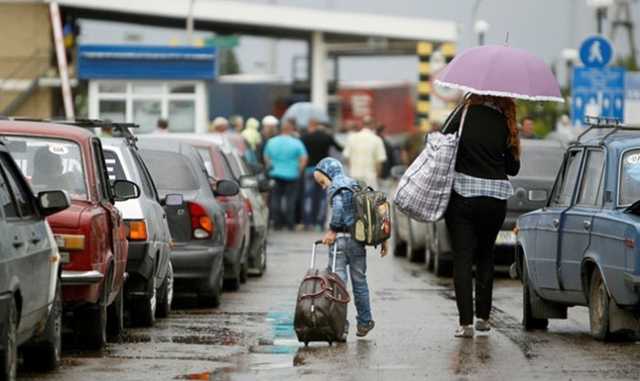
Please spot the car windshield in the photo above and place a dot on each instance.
(630, 178)
(50, 164)
(170, 171)
(541, 162)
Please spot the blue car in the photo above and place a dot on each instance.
(582, 248)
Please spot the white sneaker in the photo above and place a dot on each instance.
(483, 325)
(464, 331)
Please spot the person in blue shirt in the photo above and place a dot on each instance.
(329, 174)
(286, 157)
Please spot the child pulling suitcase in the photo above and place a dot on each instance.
(321, 307)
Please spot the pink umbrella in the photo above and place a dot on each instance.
(501, 71)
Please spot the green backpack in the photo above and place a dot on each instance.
(373, 216)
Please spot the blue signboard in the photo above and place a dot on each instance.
(596, 51)
(597, 92)
(146, 62)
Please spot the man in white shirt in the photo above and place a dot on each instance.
(364, 152)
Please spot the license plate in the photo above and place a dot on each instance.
(506, 237)
(64, 257)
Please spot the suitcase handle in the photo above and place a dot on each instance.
(313, 255)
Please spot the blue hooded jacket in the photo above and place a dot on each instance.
(343, 209)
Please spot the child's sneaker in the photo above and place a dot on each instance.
(363, 330)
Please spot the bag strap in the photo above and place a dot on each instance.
(462, 119)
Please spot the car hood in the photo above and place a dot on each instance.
(70, 217)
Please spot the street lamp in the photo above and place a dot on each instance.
(601, 7)
(570, 57)
(481, 27)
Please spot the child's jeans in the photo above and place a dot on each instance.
(354, 255)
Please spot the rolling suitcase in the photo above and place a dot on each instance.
(321, 307)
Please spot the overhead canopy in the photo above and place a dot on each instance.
(267, 20)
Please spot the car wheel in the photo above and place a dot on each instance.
(9, 356)
(529, 297)
(413, 255)
(214, 297)
(91, 322)
(165, 294)
(262, 259)
(143, 310)
(244, 272)
(233, 284)
(428, 257)
(115, 316)
(441, 266)
(599, 302)
(44, 353)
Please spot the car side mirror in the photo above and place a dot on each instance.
(52, 202)
(248, 181)
(397, 171)
(227, 188)
(124, 190)
(265, 185)
(173, 199)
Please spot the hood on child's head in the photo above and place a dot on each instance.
(330, 167)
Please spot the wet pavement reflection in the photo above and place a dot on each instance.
(251, 336)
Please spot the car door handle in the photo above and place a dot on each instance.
(17, 242)
(556, 223)
(587, 225)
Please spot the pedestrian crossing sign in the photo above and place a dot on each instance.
(596, 52)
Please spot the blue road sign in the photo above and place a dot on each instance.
(597, 92)
(596, 51)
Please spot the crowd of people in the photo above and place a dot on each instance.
(290, 153)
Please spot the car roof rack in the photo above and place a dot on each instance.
(120, 129)
(600, 123)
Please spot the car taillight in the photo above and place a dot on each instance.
(70, 241)
(137, 230)
(248, 207)
(201, 224)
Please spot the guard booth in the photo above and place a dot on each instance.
(141, 84)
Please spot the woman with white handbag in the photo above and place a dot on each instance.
(488, 152)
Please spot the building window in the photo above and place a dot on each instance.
(183, 104)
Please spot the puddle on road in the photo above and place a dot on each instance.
(284, 335)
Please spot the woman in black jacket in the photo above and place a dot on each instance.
(488, 152)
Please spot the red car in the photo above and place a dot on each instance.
(237, 214)
(91, 234)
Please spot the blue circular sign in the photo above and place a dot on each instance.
(596, 51)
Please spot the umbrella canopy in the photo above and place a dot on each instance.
(501, 71)
(302, 112)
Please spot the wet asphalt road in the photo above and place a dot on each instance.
(250, 337)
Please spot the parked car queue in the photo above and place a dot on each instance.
(97, 232)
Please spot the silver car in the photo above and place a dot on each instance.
(149, 288)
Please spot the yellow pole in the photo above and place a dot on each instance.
(423, 105)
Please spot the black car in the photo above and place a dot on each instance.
(30, 293)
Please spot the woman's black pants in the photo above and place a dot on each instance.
(473, 225)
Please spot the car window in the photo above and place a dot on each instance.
(50, 164)
(6, 198)
(540, 162)
(170, 170)
(114, 166)
(220, 165)
(629, 191)
(102, 176)
(591, 187)
(234, 165)
(148, 186)
(206, 157)
(18, 188)
(567, 179)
